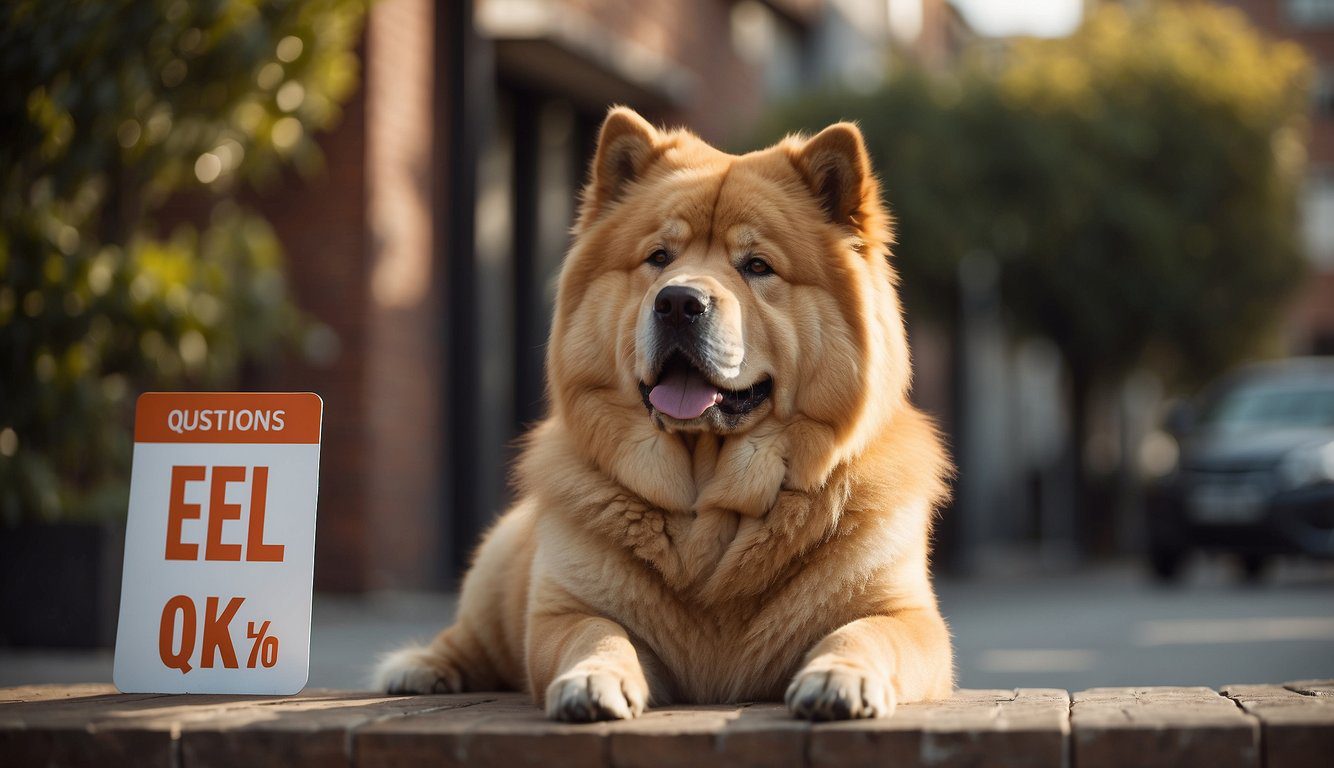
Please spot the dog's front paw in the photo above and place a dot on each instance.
(839, 691)
(417, 669)
(583, 696)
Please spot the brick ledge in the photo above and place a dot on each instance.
(1276, 726)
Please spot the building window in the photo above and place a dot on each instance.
(770, 43)
(1322, 92)
(1318, 220)
(1311, 13)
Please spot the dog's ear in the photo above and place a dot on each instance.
(627, 146)
(837, 171)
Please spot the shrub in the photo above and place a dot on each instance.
(110, 109)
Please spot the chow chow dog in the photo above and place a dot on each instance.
(731, 496)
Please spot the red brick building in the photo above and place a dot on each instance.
(430, 244)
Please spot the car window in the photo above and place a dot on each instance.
(1272, 406)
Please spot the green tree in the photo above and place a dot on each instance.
(110, 109)
(1136, 182)
(1168, 177)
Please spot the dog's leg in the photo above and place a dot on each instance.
(587, 666)
(451, 663)
(866, 667)
(483, 650)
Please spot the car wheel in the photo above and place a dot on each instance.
(1253, 568)
(1166, 564)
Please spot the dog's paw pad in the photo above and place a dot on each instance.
(416, 670)
(839, 693)
(585, 697)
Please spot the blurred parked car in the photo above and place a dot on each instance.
(1254, 474)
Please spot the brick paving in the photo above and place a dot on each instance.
(1275, 726)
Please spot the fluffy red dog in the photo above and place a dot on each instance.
(731, 496)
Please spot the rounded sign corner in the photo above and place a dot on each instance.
(305, 680)
(120, 686)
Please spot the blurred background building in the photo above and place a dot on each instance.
(432, 244)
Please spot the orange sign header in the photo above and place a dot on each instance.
(228, 417)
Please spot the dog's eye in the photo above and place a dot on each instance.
(757, 267)
(659, 258)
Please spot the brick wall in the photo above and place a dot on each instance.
(322, 225)
(404, 320)
(359, 246)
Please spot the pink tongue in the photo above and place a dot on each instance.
(684, 394)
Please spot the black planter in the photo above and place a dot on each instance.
(60, 584)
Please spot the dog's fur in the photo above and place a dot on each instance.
(726, 558)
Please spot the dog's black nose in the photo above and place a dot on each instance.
(678, 305)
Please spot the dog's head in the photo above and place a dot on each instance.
(743, 302)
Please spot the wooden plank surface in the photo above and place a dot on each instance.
(506, 729)
(1161, 726)
(1278, 726)
(1025, 727)
(1297, 721)
(703, 737)
(103, 730)
(310, 730)
(84, 691)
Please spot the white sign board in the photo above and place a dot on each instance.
(220, 544)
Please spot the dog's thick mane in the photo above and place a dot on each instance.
(712, 556)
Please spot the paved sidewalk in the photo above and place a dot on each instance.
(1115, 626)
(1106, 626)
(347, 634)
